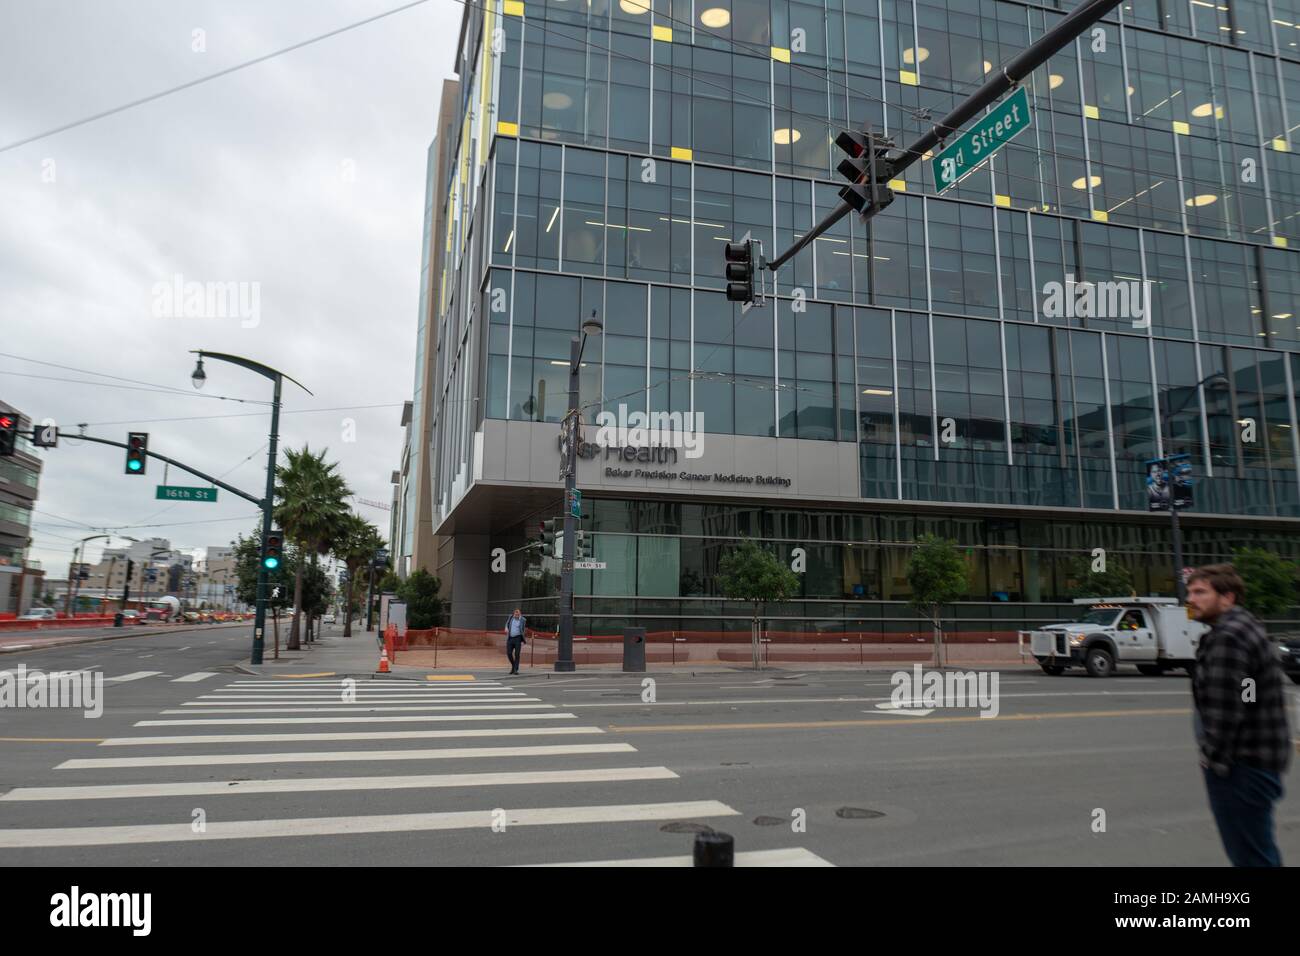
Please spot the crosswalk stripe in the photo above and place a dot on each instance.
(223, 700)
(362, 708)
(176, 740)
(402, 684)
(196, 676)
(137, 675)
(381, 823)
(334, 756)
(414, 718)
(794, 856)
(322, 784)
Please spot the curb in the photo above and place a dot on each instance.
(92, 640)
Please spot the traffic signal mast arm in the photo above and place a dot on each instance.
(1028, 60)
(172, 461)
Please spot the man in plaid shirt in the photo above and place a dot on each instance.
(1241, 724)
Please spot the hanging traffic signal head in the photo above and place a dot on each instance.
(272, 550)
(866, 169)
(740, 271)
(8, 435)
(137, 452)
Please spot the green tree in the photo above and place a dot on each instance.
(355, 545)
(938, 575)
(423, 605)
(309, 508)
(1115, 581)
(1270, 581)
(751, 573)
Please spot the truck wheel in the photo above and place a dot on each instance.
(1099, 662)
(1150, 670)
(1054, 670)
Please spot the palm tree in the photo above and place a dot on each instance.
(310, 504)
(355, 546)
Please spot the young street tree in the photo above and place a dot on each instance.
(1115, 581)
(423, 605)
(1270, 581)
(938, 575)
(355, 546)
(310, 505)
(754, 574)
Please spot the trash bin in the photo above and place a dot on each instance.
(118, 618)
(634, 649)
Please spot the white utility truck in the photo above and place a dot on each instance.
(1154, 633)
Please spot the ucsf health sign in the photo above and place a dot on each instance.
(993, 131)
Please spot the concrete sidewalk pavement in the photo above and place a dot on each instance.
(358, 655)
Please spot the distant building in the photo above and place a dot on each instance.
(21, 581)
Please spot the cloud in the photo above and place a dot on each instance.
(304, 175)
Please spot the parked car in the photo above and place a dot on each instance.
(39, 614)
(1288, 650)
(328, 618)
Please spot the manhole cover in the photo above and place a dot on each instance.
(620, 694)
(768, 821)
(680, 827)
(742, 763)
(857, 813)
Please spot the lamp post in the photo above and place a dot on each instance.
(1216, 381)
(572, 418)
(74, 572)
(198, 378)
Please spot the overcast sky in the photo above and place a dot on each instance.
(301, 177)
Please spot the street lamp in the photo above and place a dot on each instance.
(277, 377)
(1216, 380)
(564, 653)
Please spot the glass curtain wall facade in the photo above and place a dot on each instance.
(610, 147)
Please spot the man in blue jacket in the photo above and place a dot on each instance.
(515, 638)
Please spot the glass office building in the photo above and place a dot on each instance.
(916, 373)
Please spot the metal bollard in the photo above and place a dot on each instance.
(715, 849)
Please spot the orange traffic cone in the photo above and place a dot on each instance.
(383, 661)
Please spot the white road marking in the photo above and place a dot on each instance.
(361, 708)
(135, 676)
(347, 735)
(213, 721)
(196, 676)
(871, 700)
(796, 856)
(380, 823)
(335, 756)
(337, 696)
(322, 784)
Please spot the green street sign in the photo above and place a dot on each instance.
(181, 493)
(993, 131)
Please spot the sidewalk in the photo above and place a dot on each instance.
(358, 656)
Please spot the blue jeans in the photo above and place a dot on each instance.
(513, 646)
(1242, 804)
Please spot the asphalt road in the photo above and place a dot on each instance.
(194, 763)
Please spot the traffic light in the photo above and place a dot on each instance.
(866, 169)
(552, 537)
(137, 452)
(580, 546)
(8, 435)
(744, 266)
(272, 550)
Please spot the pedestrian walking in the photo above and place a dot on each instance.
(1240, 716)
(515, 625)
